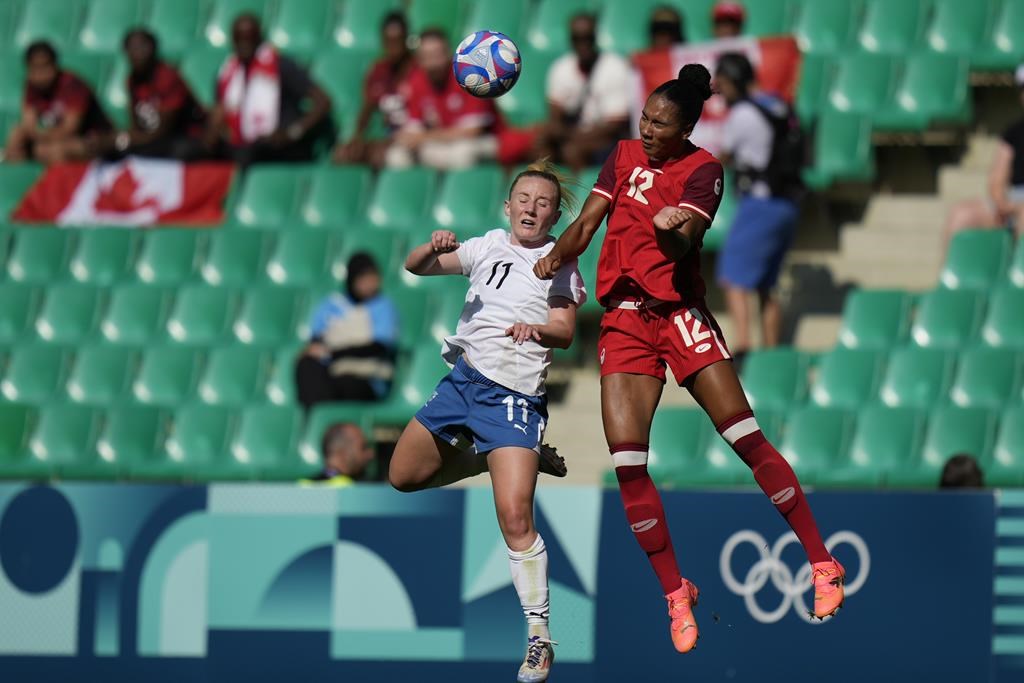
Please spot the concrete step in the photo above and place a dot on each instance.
(817, 332)
(875, 273)
(907, 246)
(980, 151)
(960, 182)
(906, 211)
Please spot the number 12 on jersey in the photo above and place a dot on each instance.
(640, 181)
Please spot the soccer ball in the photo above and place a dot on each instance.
(487, 64)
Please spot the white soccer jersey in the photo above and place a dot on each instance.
(503, 291)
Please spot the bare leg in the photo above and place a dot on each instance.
(628, 403)
(970, 213)
(514, 479)
(771, 319)
(423, 461)
(736, 299)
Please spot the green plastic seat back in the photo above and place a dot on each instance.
(1004, 324)
(886, 439)
(16, 424)
(104, 256)
(549, 31)
(70, 313)
(774, 379)
(816, 73)
(170, 256)
(175, 23)
(132, 432)
(136, 314)
(874, 319)
(986, 377)
(101, 374)
(892, 27)
(953, 430)
(304, 258)
(824, 26)
(678, 437)
(65, 434)
(816, 438)
(40, 255)
(280, 387)
(234, 375)
(199, 67)
(976, 259)
(52, 20)
(270, 194)
(862, 83)
(199, 435)
(770, 17)
(236, 257)
(34, 372)
(299, 28)
(1006, 466)
(847, 378)
(401, 197)
(15, 179)
(958, 27)
(359, 23)
(202, 314)
(107, 22)
(266, 440)
(271, 316)
(337, 195)
(223, 14)
(21, 303)
(447, 15)
(167, 375)
(467, 197)
(916, 377)
(947, 318)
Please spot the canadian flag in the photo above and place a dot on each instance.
(135, 191)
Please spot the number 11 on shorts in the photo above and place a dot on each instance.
(510, 402)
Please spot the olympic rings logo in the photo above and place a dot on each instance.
(770, 567)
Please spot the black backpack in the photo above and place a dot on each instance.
(783, 174)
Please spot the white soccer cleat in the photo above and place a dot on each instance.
(540, 655)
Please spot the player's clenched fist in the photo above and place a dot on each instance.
(671, 218)
(444, 241)
(546, 267)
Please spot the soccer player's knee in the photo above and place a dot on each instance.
(648, 529)
(515, 520)
(405, 479)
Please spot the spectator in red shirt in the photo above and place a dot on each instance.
(167, 120)
(447, 128)
(381, 92)
(60, 116)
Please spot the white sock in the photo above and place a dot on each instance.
(530, 577)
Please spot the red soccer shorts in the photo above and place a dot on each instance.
(685, 338)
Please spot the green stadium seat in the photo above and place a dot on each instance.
(527, 103)
(696, 18)
(6, 237)
(101, 374)
(113, 95)
(65, 436)
(359, 23)
(270, 194)
(1006, 465)
(414, 313)
(34, 373)
(17, 422)
(986, 377)
(847, 378)
(176, 23)
(167, 375)
(550, 30)
(280, 385)
(341, 72)
(824, 26)
(299, 28)
(107, 22)
(21, 303)
(976, 260)
(337, 196)
(862, 82)
(236, 257)
(719, 465)
(1003, 47)
(816, 72)
(815, 439)
(15, 179)
(933, 88)
(448, 304)
(202, 314)
(1004, 325)
(775, 379)
(875, 319)
(170, 256)
(467, 197)
(223, 14)
(135, 314)
(131, 433)
(622, 25)
(199, 67)
(951, 430)
(271, 316)
(412, 387)
(104, 256)
(91, 67)
(885, 440)
(402, 197)
(323, 416)
(447, 15)
(304, 258)
(265, 445)
(916, 377)
(947, 318)
(770, 17)
(958, 27)
(507, 17)
(53, 20)
(70, 313)
(892, 27)
(678, 438)
(1015, 275)
(12, 86)
(198, 436)
(386, 246)
(842, 150)
(234, 375)
(39, 255)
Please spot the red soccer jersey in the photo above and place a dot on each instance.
(165, 94)
(70, 94)
(631, 263)
(451, 106)
(383, 87)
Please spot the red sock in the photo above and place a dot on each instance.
(644, 512)
(777, 479)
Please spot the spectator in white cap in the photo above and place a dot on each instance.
(1003, 208)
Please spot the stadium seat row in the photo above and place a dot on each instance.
(875, 446)
(911, 376)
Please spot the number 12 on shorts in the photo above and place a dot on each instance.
(696, 333)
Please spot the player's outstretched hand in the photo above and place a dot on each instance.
(546, 267)
(444, 241)
(522, 332)
(671, 218)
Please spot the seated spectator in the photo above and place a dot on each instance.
(447, 128)
(768, 208)
(588, 100)
(961, 471)
(1004, 206)
(60, 116)
(351, 353)
(260, 112)
(666, 28)
(727, 19)
(346, 454)
(381, 92)
(166, 118)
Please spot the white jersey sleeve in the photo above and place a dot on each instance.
(469, 253)
(568, 283)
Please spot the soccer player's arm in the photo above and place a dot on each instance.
(679, 227)
(440, 256)
(565, 295)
